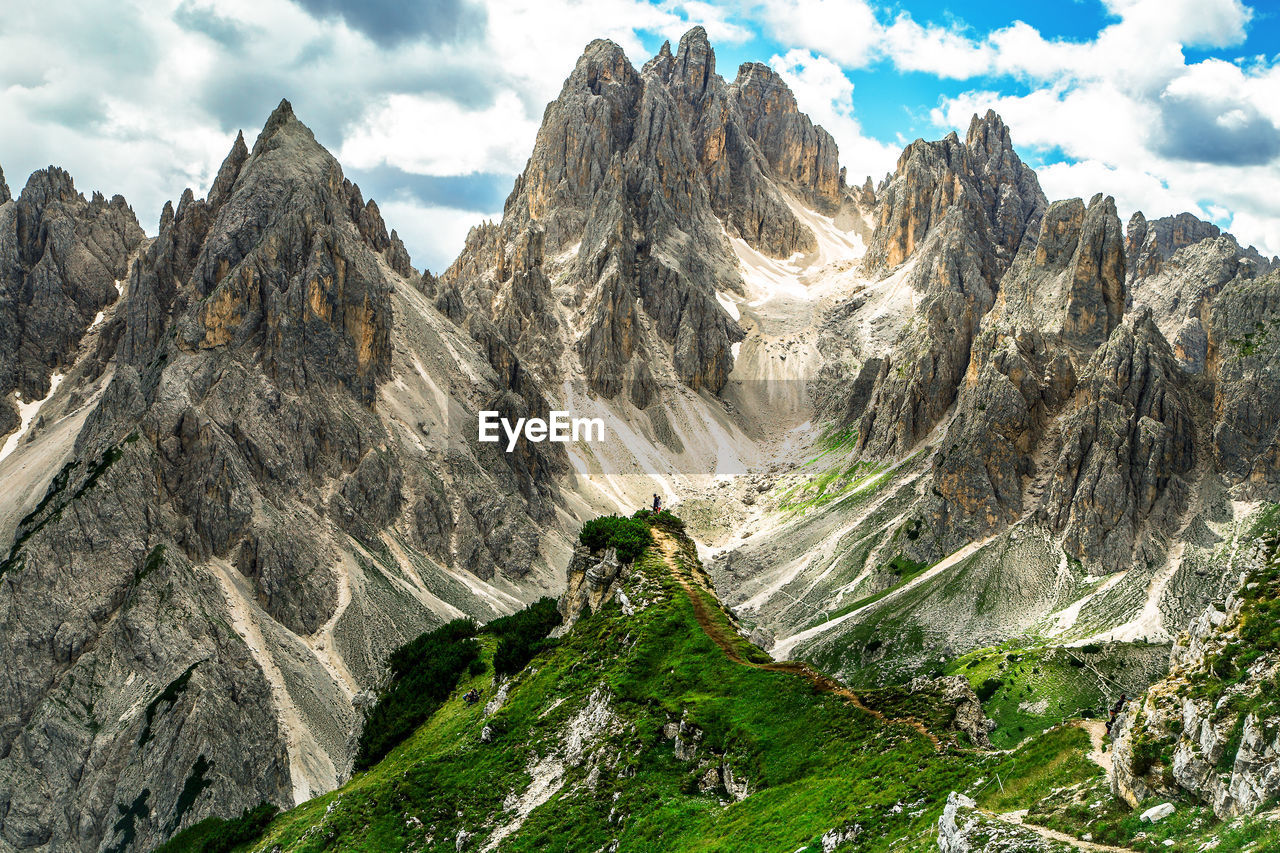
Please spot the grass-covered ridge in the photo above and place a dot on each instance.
(663, 730)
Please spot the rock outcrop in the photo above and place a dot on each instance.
(957, 212)
(1149, 244)
(1243, 357)
(61, 260)
(800, 154)
(1209, 728)
(622, 213)
(593, 580)
(1127, 444)
(1061, 298)
(955, 691)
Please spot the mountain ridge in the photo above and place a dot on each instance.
(908, 422)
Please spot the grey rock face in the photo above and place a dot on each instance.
(737, 176)
(982, 178)
(1060, 299)
(1150, 244)
(60, 256)
(800, 154)
(593, 580)
(1181, 292)
(1226, 757)
(959, 211)
(1243, 356)
(1126, 445)
(631, 176)
(245, 528)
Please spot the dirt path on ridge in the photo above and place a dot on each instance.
(727, 643)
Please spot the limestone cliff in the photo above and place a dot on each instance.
(957, 213)
(61, 259)
(636, 183)
(1209, 729)
(249, 515)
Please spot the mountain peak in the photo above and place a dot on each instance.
(696, 60)
(695, 38)
(4, 189)
(229, 170)
(988, 131)
(282, 113)
(281, 120)
(602, 62)
(49, 185)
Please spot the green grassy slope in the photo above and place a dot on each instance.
(580, 756)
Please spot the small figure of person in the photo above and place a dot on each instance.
(657, 503)
(1115, 712)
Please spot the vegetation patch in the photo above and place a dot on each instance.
(423, 672)
(1029, 690)
(629, 536)
(219, 835)
(523, 635)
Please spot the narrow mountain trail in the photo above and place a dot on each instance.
(1016, 819)
(725, 639)
(1101, 753)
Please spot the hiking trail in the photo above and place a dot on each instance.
(714, 629)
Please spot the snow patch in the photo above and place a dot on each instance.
(28, 412)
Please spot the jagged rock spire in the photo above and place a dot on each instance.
(280, 258)
(60, 256)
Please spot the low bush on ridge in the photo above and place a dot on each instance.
(522, 635)
(630, 536)
(424, 672)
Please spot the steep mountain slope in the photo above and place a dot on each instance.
(258, 475)
(1208, 729)
(62, 259)
(267, 493)
(652, 725)
(1025, 455)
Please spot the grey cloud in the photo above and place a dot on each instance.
(1193, 128)
(77, 110)
(241, 98)
(392, 22)
(201, 19)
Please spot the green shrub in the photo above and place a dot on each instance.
(522, 635)
(217, 835)
(1145, 754)
(988, 688)
(630, 536)
(663, 519)
(424, 672)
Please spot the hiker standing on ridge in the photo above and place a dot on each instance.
(657, 503)
(1115, 711)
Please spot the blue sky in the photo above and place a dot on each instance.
(433, 106)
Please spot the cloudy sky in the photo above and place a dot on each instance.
(432, 106)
